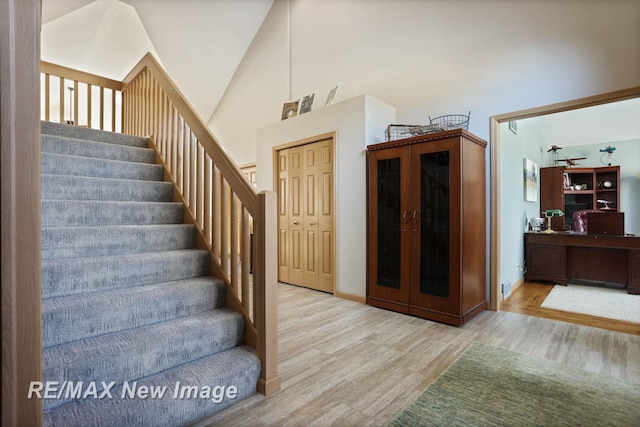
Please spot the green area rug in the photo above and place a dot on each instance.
(488, 386)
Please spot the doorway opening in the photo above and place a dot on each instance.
(497, 257)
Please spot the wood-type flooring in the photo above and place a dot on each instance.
(344, 363)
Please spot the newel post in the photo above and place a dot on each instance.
(266, 292)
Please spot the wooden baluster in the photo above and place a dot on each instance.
(102, 107)
(139, 105)
(122, 119)
(165, 125)
(113, 110)
(200, 175)
(125, 108)
(89, 89)
(47, 96)
(245, 258)
(174, 137)
(224, 229)
(234, 241)
(143, 104)
(208, 165)
(154, 111)
(61, 100)
(186, 171)
(170, 135)
(215, 212)
(75, 103)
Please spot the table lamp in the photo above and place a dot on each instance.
(550, 213)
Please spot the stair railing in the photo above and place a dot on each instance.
(237, 226)
(75, 97)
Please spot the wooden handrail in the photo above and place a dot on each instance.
(80, 76)
(218, 200)
(228, 168)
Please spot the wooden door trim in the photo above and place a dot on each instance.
(299, 143)
(494, 142)
(305, 141)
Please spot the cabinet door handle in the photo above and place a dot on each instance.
(415, 216)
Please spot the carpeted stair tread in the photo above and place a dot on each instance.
(92, 241)
(70, 276)
(143, 351)
(81, 147)
(126, 295)
(69, 187)
(236, 367)
(64, 164)
(77, 132)
(73, 318)
(59, 213)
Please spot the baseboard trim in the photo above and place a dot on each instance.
(517, 284)
(350, 297)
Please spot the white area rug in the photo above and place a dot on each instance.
(595, 301)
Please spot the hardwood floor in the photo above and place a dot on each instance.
(348, 364)
(526, 299)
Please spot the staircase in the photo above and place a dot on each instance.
(126, 297)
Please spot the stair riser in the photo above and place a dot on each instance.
(69, 242)
(237, 367)
(80, 275)
(73, 318)
(78, 147)
(69, 213)
(77, 132)
(144, 351)
(63, 187)
(63, 164)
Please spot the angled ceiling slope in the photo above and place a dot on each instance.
(199, 43)
(105, 37)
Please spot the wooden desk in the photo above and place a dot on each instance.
(558, 257)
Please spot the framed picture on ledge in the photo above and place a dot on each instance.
(332, 95)
(306, 104)
(290, 109)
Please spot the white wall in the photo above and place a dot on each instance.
(358, 122)
(515, 212)
(431, 57)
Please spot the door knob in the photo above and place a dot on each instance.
(312, 223)
(295, 223)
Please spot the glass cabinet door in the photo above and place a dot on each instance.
(435, 176)
(389, 212)
(435, 193)
(389, 225)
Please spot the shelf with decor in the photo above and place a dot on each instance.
(574, 189)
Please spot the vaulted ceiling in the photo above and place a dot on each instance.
(199, 42)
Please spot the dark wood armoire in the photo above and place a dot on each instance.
(427, 226)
